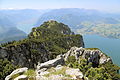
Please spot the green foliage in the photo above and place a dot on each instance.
(34, 51)
(97, 74)
(71, 60)
(14, 76)
(6, 68)
(112, 69)
(84, 66)
(30, 73)
(55, 26)
(81, 63)
(106, 71)
(91, 48)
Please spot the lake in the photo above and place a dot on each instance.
(109, 46)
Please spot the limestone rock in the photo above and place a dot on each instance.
(59, 73)
(51, 63)
(104, 59)
(92, 55)
(75, 73)
(17, 71)
(21, 77)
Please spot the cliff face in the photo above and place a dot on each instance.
(23, 54)
(92, 55)
(43, 43)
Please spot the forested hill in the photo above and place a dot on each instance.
(43, 43)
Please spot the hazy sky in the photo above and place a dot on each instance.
(104, 5)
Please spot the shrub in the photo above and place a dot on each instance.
(6, 68)
(98, 74)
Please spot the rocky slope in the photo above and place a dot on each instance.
(56, 67)
(60, 68)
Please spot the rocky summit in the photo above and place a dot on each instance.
(53, 52)
(44, 70)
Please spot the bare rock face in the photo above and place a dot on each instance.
(24, 77)
(17, 71)
(56, 70)
(75, 73)
(52, 63)
(60, 73)
(24, 55)
(91, 54)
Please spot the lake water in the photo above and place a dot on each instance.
(109, 46)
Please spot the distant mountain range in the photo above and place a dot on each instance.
(85, 21)
(8, 31)
(14, 24)
(23, 18)
(81, 21)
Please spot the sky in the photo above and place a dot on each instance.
(103, 5)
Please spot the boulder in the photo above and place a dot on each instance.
(17, 71)
(104, 59)
(23, 77)
(51, 63)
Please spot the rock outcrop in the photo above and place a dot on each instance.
(91, 54)
(75, 73)
(52, 63)
(23, 54)
(60, 73)
(56, 69)
(17, 71)
(24, 77)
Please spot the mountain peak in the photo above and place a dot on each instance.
(50, 28)
(56, 26)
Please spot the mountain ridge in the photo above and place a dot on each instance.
(8, 31)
